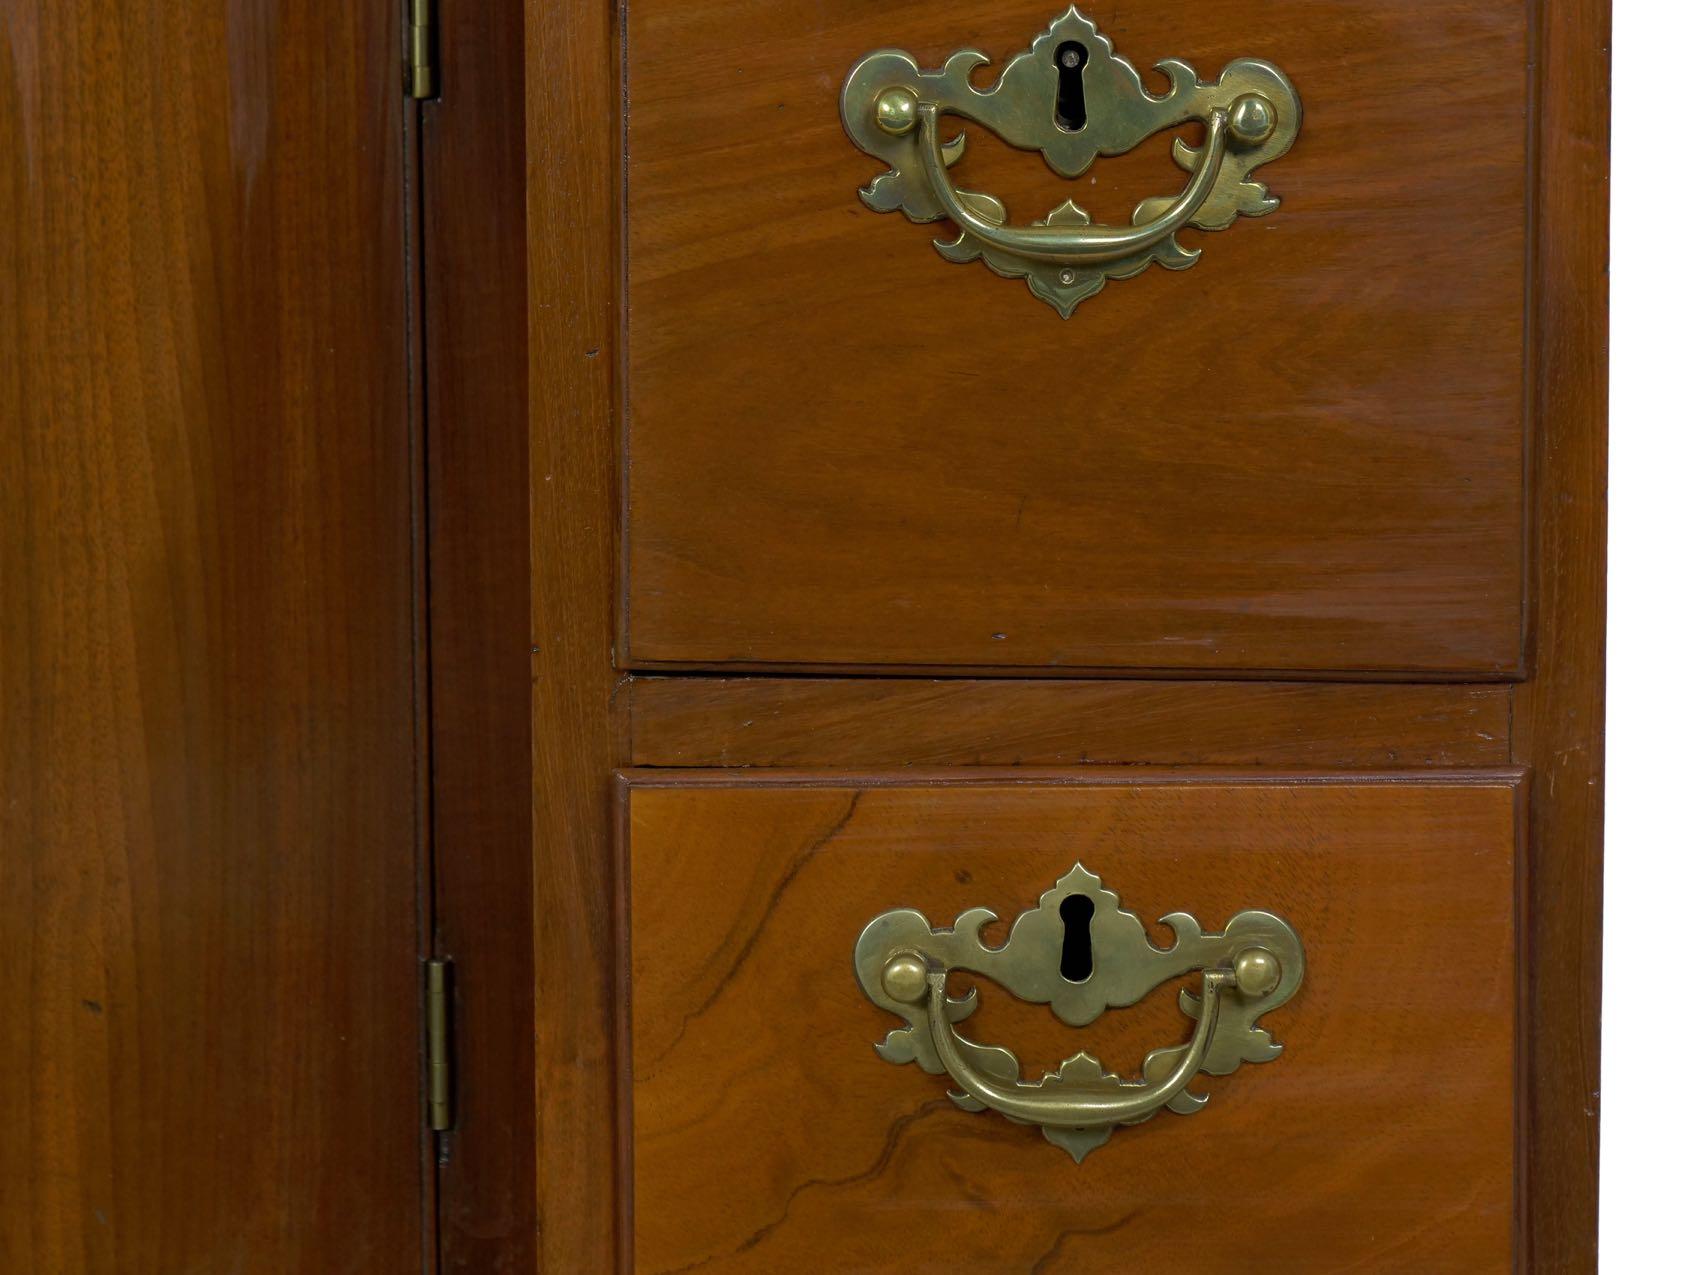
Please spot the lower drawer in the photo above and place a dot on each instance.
(1368, 924)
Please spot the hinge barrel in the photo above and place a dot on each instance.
(421, 56)
(439, 1115)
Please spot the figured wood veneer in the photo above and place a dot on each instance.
(768, 1136)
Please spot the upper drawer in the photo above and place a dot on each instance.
(1305, 452)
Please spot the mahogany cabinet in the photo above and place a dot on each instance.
(931, 546)
(761, 636)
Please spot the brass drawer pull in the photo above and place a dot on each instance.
(1071, 99)
(1081, 954)
(1064, 244)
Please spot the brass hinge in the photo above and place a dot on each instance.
(420, 39)
(438, 1069)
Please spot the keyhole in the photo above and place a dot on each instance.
(1071, 87)
(1076, 912)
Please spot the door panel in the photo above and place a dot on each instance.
(209, 896)
(1304, 453)
(766, 1133)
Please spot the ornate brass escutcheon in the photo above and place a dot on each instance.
(1250, 968)
(1071, 99)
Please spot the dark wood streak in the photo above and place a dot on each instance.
(896, 1132)
(1054, 1253)
(759, 919)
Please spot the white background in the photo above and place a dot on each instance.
(1650, 1187)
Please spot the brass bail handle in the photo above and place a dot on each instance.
(1248, 121)
(1255, 973)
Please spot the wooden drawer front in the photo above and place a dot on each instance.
(766, 1133)
(1303, 453)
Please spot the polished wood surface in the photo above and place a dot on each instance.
(583, 709)
(209, 910)
(212, 642)
(1558, 717)
(577, 741)
(1304, 453)
(767, 1136)
(851, 722)
(472, 175)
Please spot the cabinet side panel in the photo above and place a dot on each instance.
(1559, 716)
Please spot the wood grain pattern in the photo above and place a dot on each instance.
(571, 237)
(1559, 716)
(1305, 453)
(871, 722)
(476, 360)
(768, 1135)
(208, 868)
